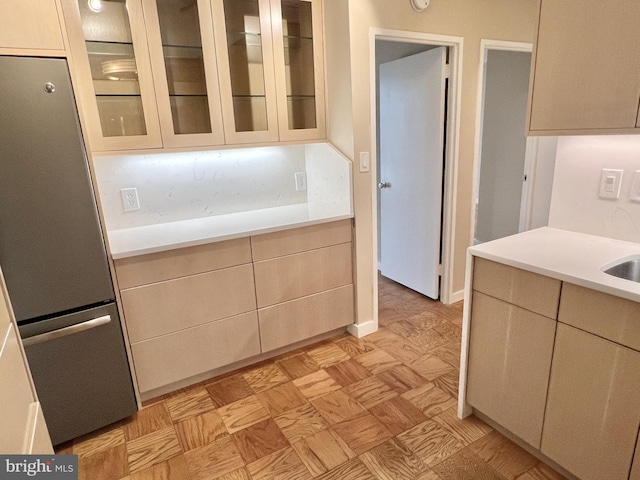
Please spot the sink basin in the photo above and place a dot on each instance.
(629, 270)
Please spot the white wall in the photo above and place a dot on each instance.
(575, 204)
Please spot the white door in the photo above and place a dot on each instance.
(412, 126)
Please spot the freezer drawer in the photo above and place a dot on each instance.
(80, 370)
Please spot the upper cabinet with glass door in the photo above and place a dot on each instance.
(110, 62)
(298, 48)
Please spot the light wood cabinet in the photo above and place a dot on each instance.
(511, 346)
(586, 68)
(592, 417)
(635, 468)
(158, 73)
(32, 25)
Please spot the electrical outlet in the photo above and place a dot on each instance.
(301, 181)
(634, 196)
(130, 199)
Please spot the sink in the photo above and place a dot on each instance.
(629, 270)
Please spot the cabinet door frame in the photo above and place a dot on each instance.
(169, 137)
(85, 91)
(226, 93)
(287, 134)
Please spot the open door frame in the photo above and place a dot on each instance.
(455, 45)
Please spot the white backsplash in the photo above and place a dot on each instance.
(575, 203)
(182, 186)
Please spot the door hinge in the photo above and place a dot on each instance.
(447, 71)
(440, 269)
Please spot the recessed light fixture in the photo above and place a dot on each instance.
(419, 5)
(95, 5)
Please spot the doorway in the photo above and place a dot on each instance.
(436, 182)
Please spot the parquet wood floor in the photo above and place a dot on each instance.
(378, 408)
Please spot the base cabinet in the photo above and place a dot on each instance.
(593, 413)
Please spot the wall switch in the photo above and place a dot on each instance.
(130, 199)
(634, 196)
(301, 181)
(610, 182)
(364, 162)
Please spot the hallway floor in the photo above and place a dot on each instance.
(382, 407)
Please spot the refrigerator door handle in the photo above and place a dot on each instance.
(63, 332)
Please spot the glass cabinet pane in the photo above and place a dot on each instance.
(184, 65)
(297, 31)
(107, 32)
(244, 44)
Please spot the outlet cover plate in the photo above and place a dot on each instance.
(610, 183)
(130, 199)
(634, 196)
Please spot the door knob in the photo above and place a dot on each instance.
(384, 185)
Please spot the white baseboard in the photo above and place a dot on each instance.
(456, 297)
(360, 330)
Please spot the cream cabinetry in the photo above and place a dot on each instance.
(304, 282)
(511, 346)
(586, 72)
(31, 25)
(635, 468)
(158, 73)
(24, 430)
(193, 310)
(591, 422)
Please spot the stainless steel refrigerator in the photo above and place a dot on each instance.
(53, 255)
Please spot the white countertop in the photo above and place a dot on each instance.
(159, 237)
(569, 256)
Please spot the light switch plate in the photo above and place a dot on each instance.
(301, 181)
(130, 199)
(634, 196)
(610, 183)
(364, 162)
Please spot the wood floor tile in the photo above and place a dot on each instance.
(104, 441)
(282, 465)
(370, 392)
(281, 399)
(428, 338)
(354, 347)
(152, 448)
(448, 383)
(347, 372)
(214, 459)
(266, 377)
(398, 415)
(173, 469)
(362, 433)
(377, 361)
(229, 390)
(148, 420)
(450, 353)
(465, 465)
(431, 367)
(393, 461)
(399, 347)
(259, 440)
(386, 316)
(189, 404)
(430, 399)
(352, 470)
(467, 430)
(298, 366)
(316, 384)
(337, 406)
(106, 464)
(401, 378)
(430, 442)
(240, 474)
(301, 422)
(542, 472)
(426, 319)
(323, 451)
(197, 431)
(243, 413)
(504, 456)
(328, 355)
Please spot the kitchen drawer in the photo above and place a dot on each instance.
(509, 360)
(613, 318)
(157, 267)
(16, 393)
(528, 290)
(305, 317)
(286, 278)
(174, 357)
(298, 240)
(165, 307)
